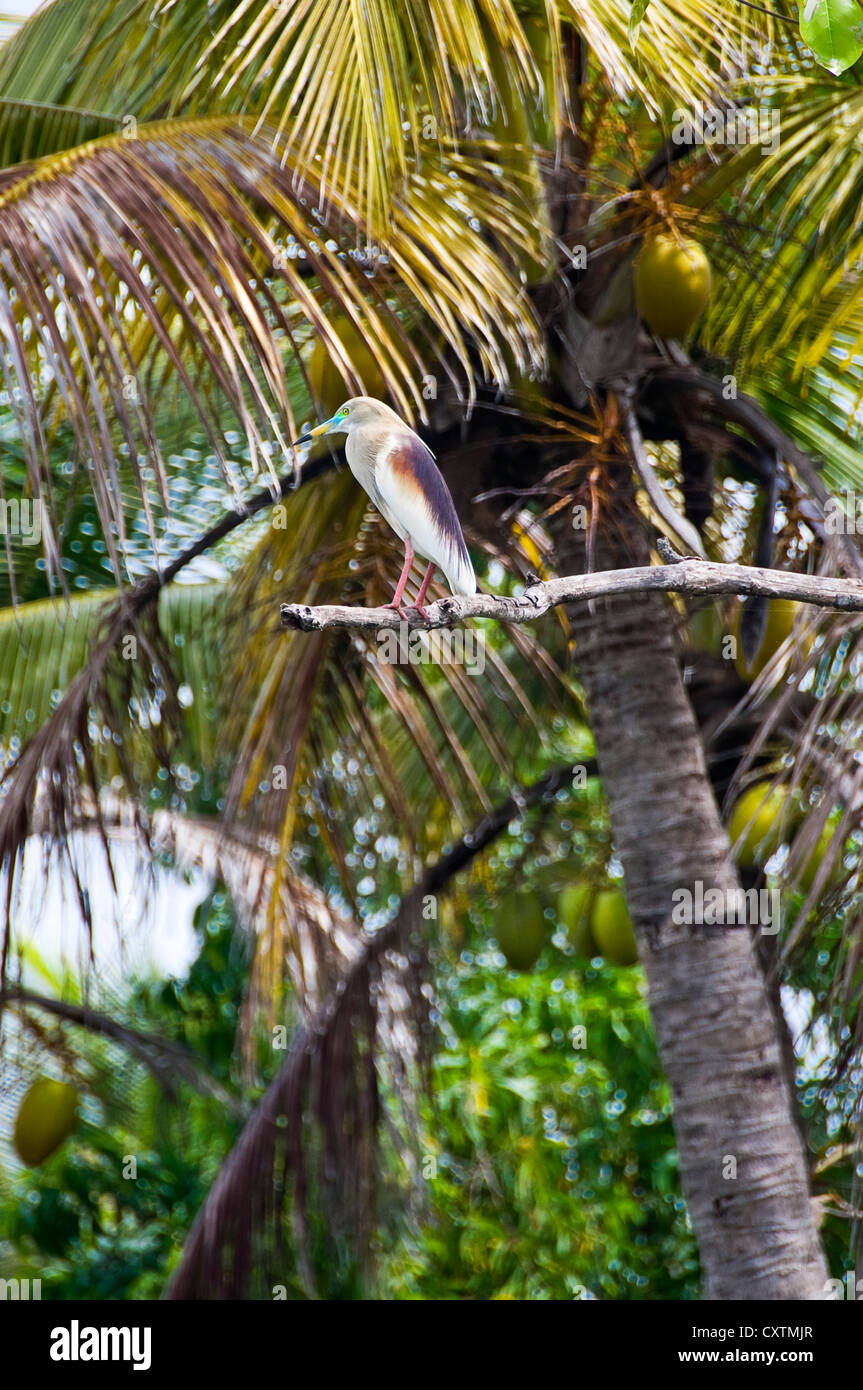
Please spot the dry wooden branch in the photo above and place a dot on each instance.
(693, 576)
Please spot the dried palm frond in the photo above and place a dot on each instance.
(310, 1144)
(323, 940)
(320, 940)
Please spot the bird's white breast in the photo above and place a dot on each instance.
(399, 473)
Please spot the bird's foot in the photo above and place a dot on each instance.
(398, 608)
(411, 608)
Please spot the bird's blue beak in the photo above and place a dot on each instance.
(313, 434)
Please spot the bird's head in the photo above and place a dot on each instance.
(359, 411)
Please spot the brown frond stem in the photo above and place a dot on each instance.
(238, 1202)
(166, 1060)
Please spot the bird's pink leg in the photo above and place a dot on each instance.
(403, 579)
(424, 590)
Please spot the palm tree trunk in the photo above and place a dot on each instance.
(742, 1162)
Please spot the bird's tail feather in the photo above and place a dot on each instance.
(460, 575)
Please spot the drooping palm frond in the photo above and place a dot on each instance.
(325, 1165)
(168, 1062)
(680, 55)
(58, 767)
(121, 715)
(44, 646)
(802, 244)
(187, 249)
(37, 62)
(823, 416)
(822, 765)
(362, 91)
(321, 941)
(310, 1145)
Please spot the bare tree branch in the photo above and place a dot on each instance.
(685, 576)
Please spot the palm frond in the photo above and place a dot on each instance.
(802, 247)
(120, 717)
(310, 1144)
(320, 941)
(679, 54)
(186, 247)
(823, 416)
(37, 62)
(44, 646)
(167, 1061)
(360, 93)
(29, 130)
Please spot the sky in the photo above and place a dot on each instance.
(139, 933)
(14, 7)
(146, 929)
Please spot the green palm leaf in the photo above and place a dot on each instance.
(191, 250)
(31, 129)
(360, 92)
(44, 645)
(803, 245)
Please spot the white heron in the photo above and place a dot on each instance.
(399, 473)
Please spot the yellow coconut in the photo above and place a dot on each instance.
(813, 862)
(521, 930)
(612, 927)
(574, 910)
(672, 285)
(761, 819)
(46, 1116)
(781, 616)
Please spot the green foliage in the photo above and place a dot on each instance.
(551, 1161)
(555, 1162)
(832, 29)
(79, 1223)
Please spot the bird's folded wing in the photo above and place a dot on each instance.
(414, 491)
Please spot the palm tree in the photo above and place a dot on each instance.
(200, 201)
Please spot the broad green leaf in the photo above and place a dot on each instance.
(832, 29)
